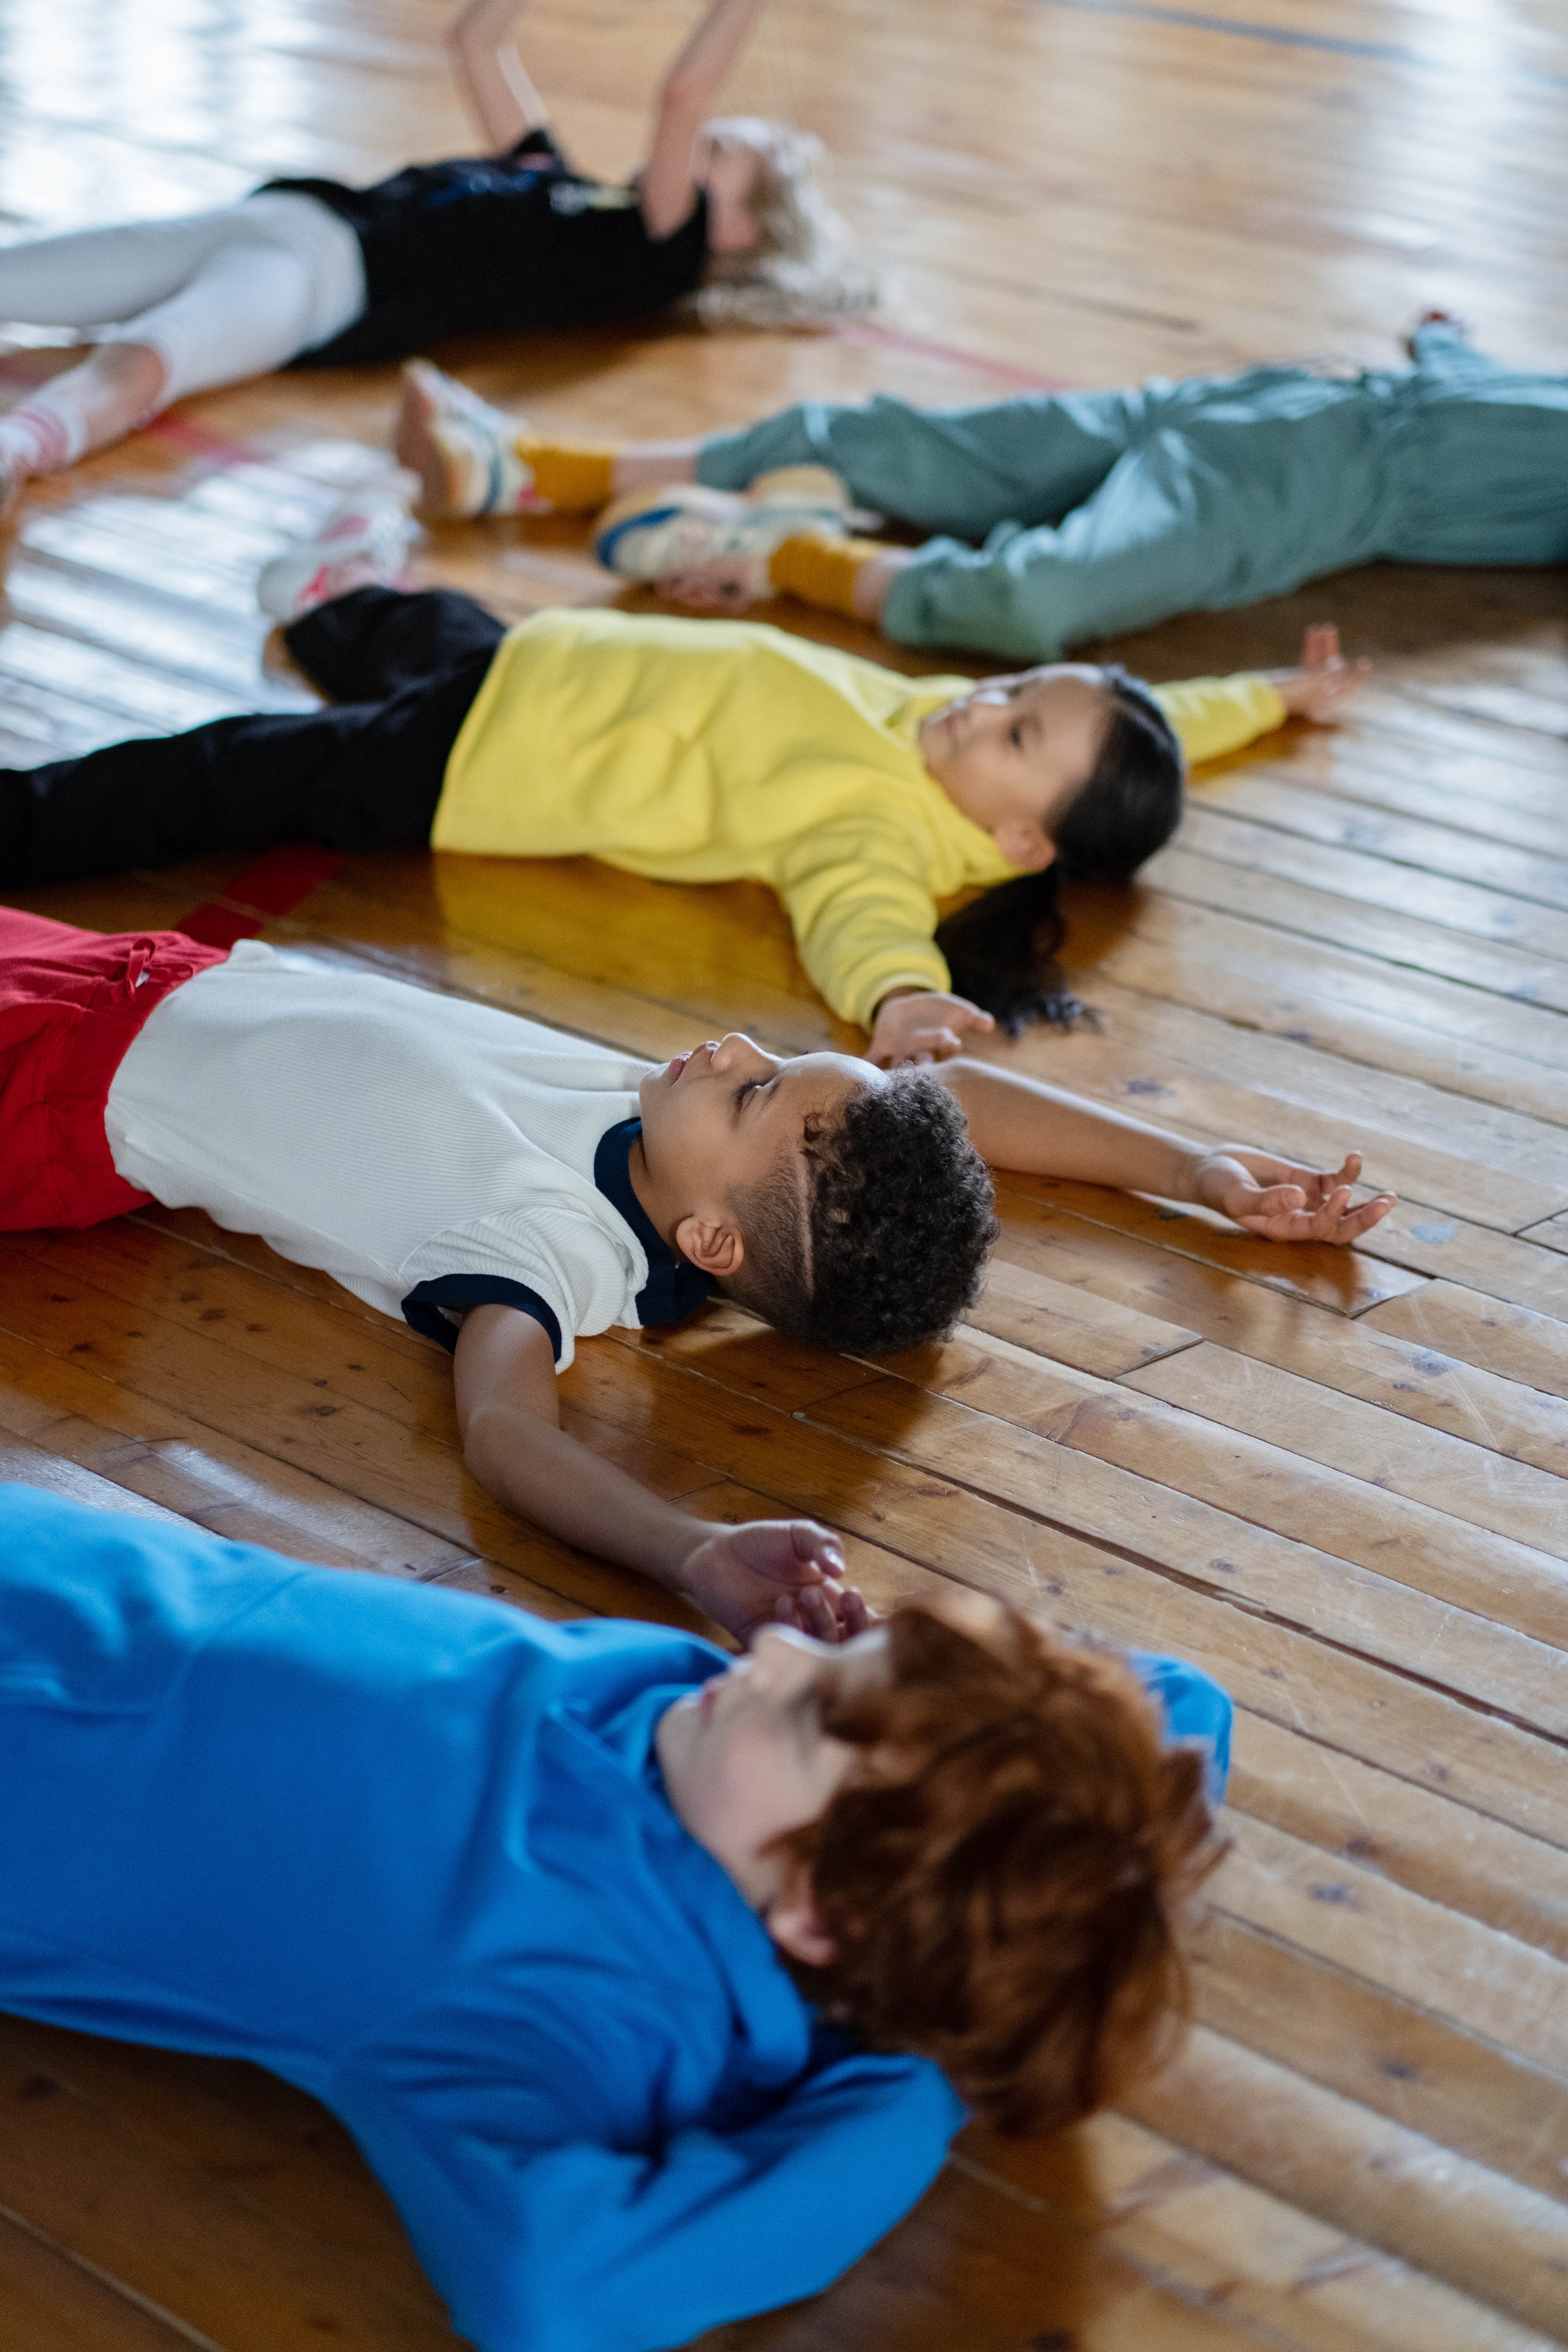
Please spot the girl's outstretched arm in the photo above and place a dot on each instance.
(490, 75)
(1021, 1123)
(685, 102)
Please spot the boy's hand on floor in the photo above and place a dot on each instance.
(1324, 681)
(924, 1025)
(1285, 1203)
(775, 1572)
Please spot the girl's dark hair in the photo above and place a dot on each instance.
(1002, 948)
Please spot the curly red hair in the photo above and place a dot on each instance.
(1004, 1878)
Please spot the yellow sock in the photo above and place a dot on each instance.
(576, 476)
(822, 569)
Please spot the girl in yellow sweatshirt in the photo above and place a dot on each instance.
(686, 750)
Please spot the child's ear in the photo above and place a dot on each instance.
(1023, 845)
(715, 1249)
(793, 1921)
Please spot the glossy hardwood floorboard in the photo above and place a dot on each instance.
(1335, 1480)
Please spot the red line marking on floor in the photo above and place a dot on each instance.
(893, 339)
(198, 441)
(274, 885)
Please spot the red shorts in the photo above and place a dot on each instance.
(70, 1004)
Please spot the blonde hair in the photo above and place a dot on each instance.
(802, 270)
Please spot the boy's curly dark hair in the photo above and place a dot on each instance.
(888, 1245)
(1005, 1878)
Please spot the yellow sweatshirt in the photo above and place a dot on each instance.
(709, 750)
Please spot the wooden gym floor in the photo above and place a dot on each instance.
(1334, 1480)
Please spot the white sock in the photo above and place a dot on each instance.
(47, 432)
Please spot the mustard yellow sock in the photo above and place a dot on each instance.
(821, 569)
(575, 476)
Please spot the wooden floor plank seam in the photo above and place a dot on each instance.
(168, 2321)
(1152, 1564)
(1334, 1481)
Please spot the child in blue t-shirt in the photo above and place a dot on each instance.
(554, 1918)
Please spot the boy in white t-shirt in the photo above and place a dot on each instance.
(505, 1188)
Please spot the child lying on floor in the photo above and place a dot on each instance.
(506, 1189)
(723, 221)
(689, 751)
(1055, 518)
(652, 1984)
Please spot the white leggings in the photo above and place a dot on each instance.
(219, 295)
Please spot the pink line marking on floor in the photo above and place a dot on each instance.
(198, 441)
(893, 339)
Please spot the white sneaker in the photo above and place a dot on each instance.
(363, 542)
(655, 535)
(463, 450)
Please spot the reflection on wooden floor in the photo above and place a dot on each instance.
(1336, 1481)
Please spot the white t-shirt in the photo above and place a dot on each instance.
(429, 1153)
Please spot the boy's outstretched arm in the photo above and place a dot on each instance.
(492, 77)
(1020, 1122)
(768, 1572)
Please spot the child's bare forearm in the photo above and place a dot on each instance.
(548, 1476)
(669, 179)
(1021, 1123)
(494, 83)
(698, 71)
(758, 1573)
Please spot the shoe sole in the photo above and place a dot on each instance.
(443, 484)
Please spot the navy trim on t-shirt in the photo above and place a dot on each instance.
(422, 1308)
(675, 1287)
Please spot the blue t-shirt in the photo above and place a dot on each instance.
(411, 1850)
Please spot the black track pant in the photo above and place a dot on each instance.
(364, 774)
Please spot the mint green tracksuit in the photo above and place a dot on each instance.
(1100, 511)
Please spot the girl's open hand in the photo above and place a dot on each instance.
(1285, 1203)
(924, 1026)
(1324, 682)
(775, 1572)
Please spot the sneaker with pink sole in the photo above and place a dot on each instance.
(363, 543)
